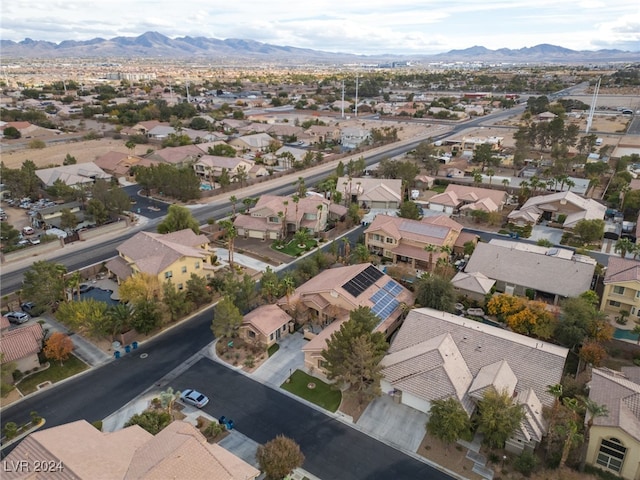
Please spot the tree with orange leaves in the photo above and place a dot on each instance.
(504, 305)
(592, 353)
(58, 347)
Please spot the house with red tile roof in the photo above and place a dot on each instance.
(21, 345)
(178, 451)
(464, 199)
(119, 164)
(265, 325)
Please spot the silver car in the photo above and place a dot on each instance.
(195, 398)
(17, 317)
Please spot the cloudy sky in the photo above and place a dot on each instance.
(351, 26)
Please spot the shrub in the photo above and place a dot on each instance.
(214, 429)
(250, 361)
(17, 375)
(97, 424)
(525, 463)
(37, 144)
(35, 418)
(10, 430)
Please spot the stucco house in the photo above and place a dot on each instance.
(567, 208)
(128, 454)
(267, 219)
(614, 441)
(405, 240)
(371, 192)
(464, 199)
(437, 355)
(258, 142)
(119, 164)
(265, 325)
(77, 175)
(622, 287)
(551, 273)
(323, 133)
(327, 299)
(21, 345)
(352, 137)
(172, 256)
(210, 167)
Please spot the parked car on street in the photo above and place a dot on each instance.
(195, 398)
(17, 318)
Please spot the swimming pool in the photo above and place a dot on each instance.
(205, 186)
(100, 295)
(621, 334)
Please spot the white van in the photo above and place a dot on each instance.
(599, 142)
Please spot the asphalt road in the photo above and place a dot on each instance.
(332, 449)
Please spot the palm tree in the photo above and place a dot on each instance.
(288, 286)
(477, 177)
(624, 246)
(556, 391)
(296, 200)
(573, 437)
(301, 237)
(431, 249)
(231, 233)
(284, 220)
(490, 174)
(570, 184)
(361, 253)
(119, 315)
(73, 281)
(593, 411)
(233, 199)
(347, 248)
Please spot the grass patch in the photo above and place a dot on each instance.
(273, 349)
(292, 248)
(439, 188)
(322, 395)
(53, 374)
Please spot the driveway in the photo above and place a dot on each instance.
(263, 249)
(395, 424)
(283, 363)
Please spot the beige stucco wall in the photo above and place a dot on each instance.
(631, 465)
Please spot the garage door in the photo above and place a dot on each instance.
(256, 234)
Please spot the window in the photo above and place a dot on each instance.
(638, 294)
(389, 240)
(184, 269)
(284, 327)
(611, 454)
(251, 334)
(376, 237)
(271, 337)
(197, 265)
(168, 274)
(273, 220)
(180, 286)
(618, 290)
(613, 303)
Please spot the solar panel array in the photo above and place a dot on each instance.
(362, 281)
(384, 300)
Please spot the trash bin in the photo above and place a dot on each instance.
(116, 354)
(229, 424)
(222, 420)
(134, 345)
(127, 348)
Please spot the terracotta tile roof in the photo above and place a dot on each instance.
(4, 323)
(428, 233)
(621, 396)
(267, 319)
(371, 188)
(154, 252)
(178, 451)
(119, 267)
(622, 270)
(448, 199)
(443, 220)
(21, 342)
(473, 194)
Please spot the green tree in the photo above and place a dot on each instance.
(175, 300)
(589, 230)
(85, 316)
(44, 283)
(483, 154)
(146, 316)
(581, 319)
(222, 150)
(593, 411)
(197, 290)
(150, 420)
(435, 292)
(353, 353)
(11, 133)
(409, 209)
(230, 233)
(68, 219)
(498, 417)
(226, 318)
(270, 285)
(241, 289)
(448, 421)
(118, 319)
(178, 218)
(8, 234)
(425, 152)
(360, 254)
(624, 246)
(69, 160)
(279, 457)
(98, 211)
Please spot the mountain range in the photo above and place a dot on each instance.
(157, 45)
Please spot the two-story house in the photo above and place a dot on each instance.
(274, 217)
(371, 192)
(210, 167)
(173, 256)
(622, 287)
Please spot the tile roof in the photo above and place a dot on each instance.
(21, 342)
(413, 230)
(535, 364)
(559, 276)
(371, 188)
(153, 252)
(621, 396)
(267, 319)
(622, 270)
(473, 282)
(472, 194)
(86, 172)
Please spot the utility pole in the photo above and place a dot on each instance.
(593, 105)
(357, 80)
(342, 103)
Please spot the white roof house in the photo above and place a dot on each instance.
(77, 174)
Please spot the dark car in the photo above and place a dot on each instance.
(17, 318)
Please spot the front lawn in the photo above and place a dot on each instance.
(53, 374)
(321, 393)
(293, 249)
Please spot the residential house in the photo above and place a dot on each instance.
(77, 175)
(327, 299)
(464, 199)
(210, 167)
(546, 116)
(274, 217)
(265, 325)
(128, 454)
(566, 208)
(622, 287)
(21, 345)
(323, 134)
(181, 156)
(437, 355)
(172, 256)
(474, 286)
(418, 243)
(259, 142)
(352, 137)
(371, 192)
(142, 128)
(119, 164)
(614, 440)
(549, 273)
(52, 216)
(285, 132)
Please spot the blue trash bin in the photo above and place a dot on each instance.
(116, 354)
(127, 348)
(134, 345)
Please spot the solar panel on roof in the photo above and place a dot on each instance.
(393, 287)
(362, 281)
